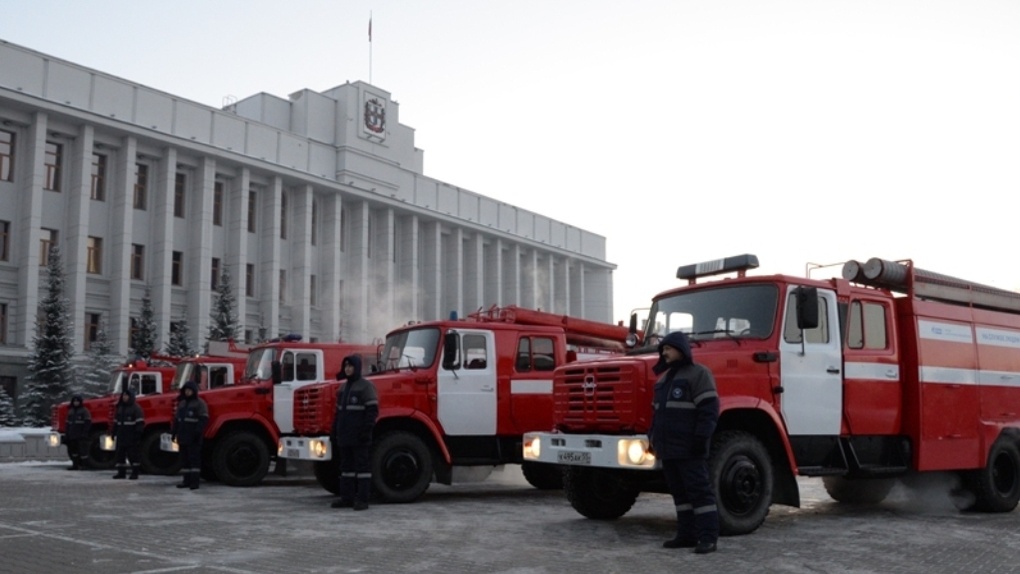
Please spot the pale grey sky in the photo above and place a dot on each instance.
(681, 130)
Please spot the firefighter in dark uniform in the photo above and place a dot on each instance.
(685, 413)
(78, 425)
(190, 419)
(128, 423)
(357, 407)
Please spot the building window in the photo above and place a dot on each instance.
(252, 212)
(47, 240)
(217, 203)
(91, 329)
(52, 162)
(180, 182)
(177, 268)
(3, 323)
(315, 212)
(214, 284)
(283, 285)
(141, 185)
(312, 286)
(249, 280)
(283, 216)
(6, 156)
(94, 256)
(98, 189)
(137, 261)
(5, 240)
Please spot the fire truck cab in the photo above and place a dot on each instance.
(454, 393)
(879, 375)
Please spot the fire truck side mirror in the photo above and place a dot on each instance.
(277, 372)
(450, 351)
(807, 307)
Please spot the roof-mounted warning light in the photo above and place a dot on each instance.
(738, 263)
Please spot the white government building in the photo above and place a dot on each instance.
(317, 205)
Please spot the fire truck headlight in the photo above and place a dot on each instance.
(634, 452)
(318, 448)
(53, 439)
(107, 443)
(279, 448)
(532, 447)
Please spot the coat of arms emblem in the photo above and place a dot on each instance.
(375, 116)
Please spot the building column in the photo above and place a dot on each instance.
(431, 275)
(199, 277)
(561, 284)
(474, 273)
(27, 226)
(357, 277)
(382, 273)
(237, 244)
(164, 190)
(329, 263)
(407, 275)
(576, 298)
(301, 262)
(269, 257)
(529, 280)
(76, 254)
(511, 288)
(121, 212)
(452, 276)
(492, 259)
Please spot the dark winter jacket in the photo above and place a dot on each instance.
(357, 407)
(685, 405)
(79, 419)
(129, 420)
(191, 416)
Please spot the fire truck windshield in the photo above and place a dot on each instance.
(715, 312)
(184, 373)
(115, 382)
(259, 366)
(413, 348)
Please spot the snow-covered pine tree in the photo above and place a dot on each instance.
(180, 343)
(97, 364)
(49, 365)
(145, 329)
(224, 315)
(8, 416)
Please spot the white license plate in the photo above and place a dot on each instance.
(293, 453)
(573, 457)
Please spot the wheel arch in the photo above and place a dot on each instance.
(765, 426)
(415, 422)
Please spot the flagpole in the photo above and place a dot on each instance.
(370, 47)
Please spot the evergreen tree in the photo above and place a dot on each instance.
(180, 344)
(145, 329)
(96, 366)
(49, 365)
(224, 323)
(8, 417)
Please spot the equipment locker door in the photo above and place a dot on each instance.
(811, 371)
(467, 394)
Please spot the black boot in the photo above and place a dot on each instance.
(704, 547)
(342, 503)
(134, 472)
(120, 474)
(193, 481)
(679, 541)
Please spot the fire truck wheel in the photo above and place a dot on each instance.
(100, 459)
(401, 467)
(327, 474)
(858, 490)
(997, 486)
(741, 472)
(155, 460)
(241, 459)
(543, 476)
(598, 494)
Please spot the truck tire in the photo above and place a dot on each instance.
(741, 474)
(858, 490)
(156, 460)
(100, 459)
(327, 474)
(401, 467)
(996, 487)
(543, 476)
(598, 494)
(241, 459)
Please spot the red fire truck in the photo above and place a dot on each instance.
(454, 393)
(144, 377)
(247, 420)
(884, 373)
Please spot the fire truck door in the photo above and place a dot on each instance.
(467, 394)
(811, 371)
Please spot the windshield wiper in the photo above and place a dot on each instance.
(726, 332)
